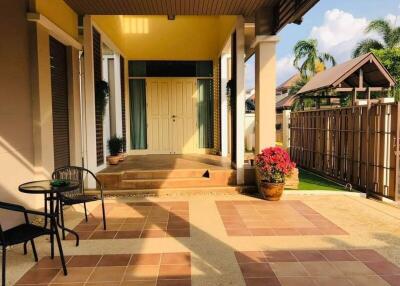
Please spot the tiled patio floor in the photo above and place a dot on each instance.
(118, 269)
(317, 268)
(262, 218)
(137, 220)
(355, 242)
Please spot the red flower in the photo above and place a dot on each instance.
(274, 164)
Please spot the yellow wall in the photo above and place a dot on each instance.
(60, 14)
(154, 37)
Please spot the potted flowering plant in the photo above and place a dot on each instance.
(273, 165)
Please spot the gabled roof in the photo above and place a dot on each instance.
(346, 75)
(289, 82)
(287, 102)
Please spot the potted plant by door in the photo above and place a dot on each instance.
(272, 166)
(114, 147)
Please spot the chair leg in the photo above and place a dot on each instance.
(62, 219)
(104, 214)
(25, 249)
(86, 218)
(34, 250)
(45, 210)
(52, 244)
(3, 273)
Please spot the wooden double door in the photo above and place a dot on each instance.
(172, 115)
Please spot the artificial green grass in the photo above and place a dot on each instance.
(311, 181)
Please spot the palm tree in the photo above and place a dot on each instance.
(308, 59)
(390, 38)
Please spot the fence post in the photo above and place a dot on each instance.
(286, 129)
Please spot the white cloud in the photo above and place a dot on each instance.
(285, 68)
(394, 19)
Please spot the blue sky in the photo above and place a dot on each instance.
(337, 24)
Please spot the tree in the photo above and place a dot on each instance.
(390, 58)
(308, 60)
(390, 38)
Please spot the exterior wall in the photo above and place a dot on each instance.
(60, 14)
(16, 135)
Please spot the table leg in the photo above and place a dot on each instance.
(63, 228)
(54, 231)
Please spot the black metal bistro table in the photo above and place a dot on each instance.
(52, 195)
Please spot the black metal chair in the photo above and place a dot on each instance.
(25, 233)
(77, 196)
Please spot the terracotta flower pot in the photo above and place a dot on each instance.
(121, 156)
(271, 191)
(113, 160)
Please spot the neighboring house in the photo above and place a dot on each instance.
(167, 64)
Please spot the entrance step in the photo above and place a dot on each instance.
(163, 179)
(228, 190)
(165, 174)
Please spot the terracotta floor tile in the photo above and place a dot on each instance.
(337, 255)
(115, 260)
(393, 280)
(139, 283)
(184, 232)
(131, 226)
(82, 235)
(141, 272)
(321, 268)
(38, 276)
(174, 282)
(84, 261)
(256, 270)
(366, 255)
(175, 258)
(352, 268)
(103, 235)
(145, 259)
(107, 274)
(286, 231)
(47, 262)
(238, 232)
(296, 281)
(288, 269)
(85, 227)
(175, 272)
(128, 234)
(367, 281)
(279, 256)
(267, 281)
(99, 284)
(331, 281)
(250, 257)
(152, 233)
(75, 274)
(262, 231)
(383, 267)
(308, 255)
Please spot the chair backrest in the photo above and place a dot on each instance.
(71, 173)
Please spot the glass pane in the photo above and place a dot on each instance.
(205, 113)
(138, 120)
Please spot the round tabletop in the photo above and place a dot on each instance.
(45, 187)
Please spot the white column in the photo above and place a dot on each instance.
(89, 100)
(286, 129)
(240, 100)
(265, 75)
(224, 104)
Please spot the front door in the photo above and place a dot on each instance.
(172, 115)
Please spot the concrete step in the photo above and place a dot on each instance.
(227, 190)
(164, 183)
(156, 179)
(164, 174)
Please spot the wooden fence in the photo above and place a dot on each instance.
(357, 146)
